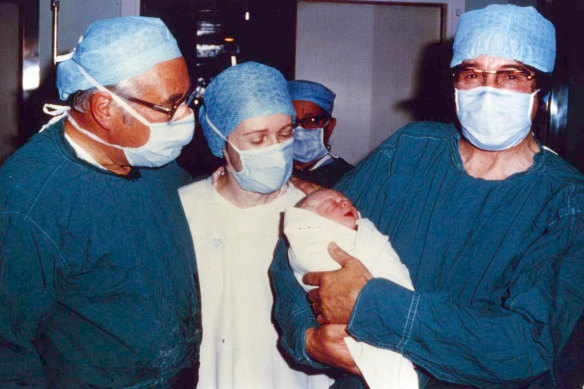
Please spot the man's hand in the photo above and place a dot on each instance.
(306, 186)
(333, 300)
(326, 344)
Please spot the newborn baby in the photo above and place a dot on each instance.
(326, 216)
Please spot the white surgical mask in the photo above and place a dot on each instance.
(166, 139)
(163, 146)
(309, 144)
(494, 119)
(263, 170)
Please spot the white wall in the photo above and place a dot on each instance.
(367, 54)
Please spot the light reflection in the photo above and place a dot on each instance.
(30, 75)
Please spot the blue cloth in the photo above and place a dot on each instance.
(326, 174)
(115, 49)
(238, 93)
(506, 31)
(498, 266)
(314, 92)
(98, 282)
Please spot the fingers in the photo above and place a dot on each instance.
(338, 254)
(314, 299)
(312, 278)
(354, 369)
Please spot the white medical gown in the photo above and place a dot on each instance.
(234, 249)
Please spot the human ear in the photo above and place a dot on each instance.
(102, 109)
(328, 130)
(232, 158)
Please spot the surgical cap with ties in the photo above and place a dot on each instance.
(113, 50)
(241, 92)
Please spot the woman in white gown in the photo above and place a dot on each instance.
(247, 118)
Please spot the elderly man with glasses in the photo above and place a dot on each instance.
(489, 222)
(313, 161)
(98, 281)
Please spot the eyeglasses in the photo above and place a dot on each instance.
(186, 99)
(518, 80)
(312, 122)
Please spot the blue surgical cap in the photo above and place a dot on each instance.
(506, 31)
(238, 93)
(313, 92)
(113, 50)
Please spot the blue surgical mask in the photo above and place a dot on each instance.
(309, 144)
(494, 119)
(263, 170)
(166, 139)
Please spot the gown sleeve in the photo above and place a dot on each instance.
(497, 343)
(504, 341)
(292, 310)
(26, 298)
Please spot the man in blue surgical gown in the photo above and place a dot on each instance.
(98, 282)
(489, 223)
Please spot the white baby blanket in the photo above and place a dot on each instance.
(309, 235)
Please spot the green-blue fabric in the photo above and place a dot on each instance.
(326, 175)
(498, 266)
(97, 273)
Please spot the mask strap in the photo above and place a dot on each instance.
(219, 133)
(116, 98)
(57, 112)
(90, 134)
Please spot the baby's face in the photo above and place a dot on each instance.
(333, 205)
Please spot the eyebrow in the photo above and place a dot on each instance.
(311, 114)
(264, 130)
(503, 67)
(175, 97)
(172, 99)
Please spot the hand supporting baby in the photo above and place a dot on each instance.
(337, 292)
(332, 302)
(326, 344)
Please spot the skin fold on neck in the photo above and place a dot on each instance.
(498, 165)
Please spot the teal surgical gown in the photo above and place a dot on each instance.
(498, 266)
(98, 282)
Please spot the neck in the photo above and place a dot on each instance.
(306, 165)
(498, 165)
(228, 187)
(106, 156)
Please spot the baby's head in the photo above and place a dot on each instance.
(332, 205)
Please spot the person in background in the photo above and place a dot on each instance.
(488, 221)
(313, 161)
(247, 119)
(98, 281)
